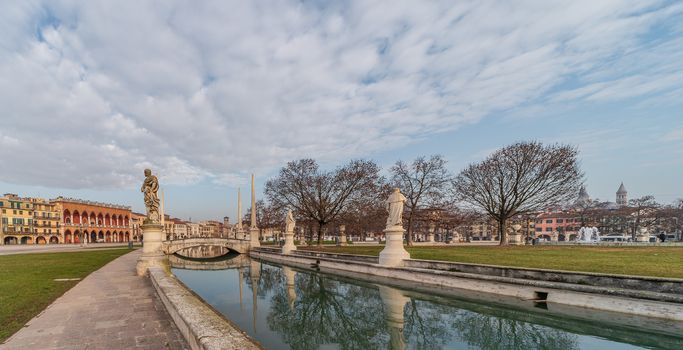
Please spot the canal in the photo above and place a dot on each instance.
(291, 308)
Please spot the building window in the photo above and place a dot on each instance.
(549, 221)
(559, 221)
(548, 229)
(538, 229)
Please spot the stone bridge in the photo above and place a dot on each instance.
(187, 264)
(237, 245)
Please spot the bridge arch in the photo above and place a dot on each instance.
(172, 247)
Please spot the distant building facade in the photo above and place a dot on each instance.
(16, 217)
(47, 221)
(93, 222)
(136, 220)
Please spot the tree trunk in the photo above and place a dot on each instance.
(320, 234)
(502, 234)
(409, 238)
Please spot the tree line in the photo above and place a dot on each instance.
(516, 180)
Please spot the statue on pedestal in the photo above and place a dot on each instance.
(152, 230)
(394, 206)
(150, 187)
(289, 222)
(289, 233)
(394, 253)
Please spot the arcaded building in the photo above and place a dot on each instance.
(93, 222)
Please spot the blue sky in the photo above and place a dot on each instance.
(206, 93)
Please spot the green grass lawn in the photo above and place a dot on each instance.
(27, 283)
(642, 261)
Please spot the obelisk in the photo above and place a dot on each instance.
(253, 230)
(240, 232)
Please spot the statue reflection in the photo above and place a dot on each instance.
(290, 275)
(394, 303)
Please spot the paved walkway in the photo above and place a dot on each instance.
(112, 308)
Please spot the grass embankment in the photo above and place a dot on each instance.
(27, 282)
(642, 261)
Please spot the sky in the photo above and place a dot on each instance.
(207, 92)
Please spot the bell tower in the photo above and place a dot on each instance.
(622, 195)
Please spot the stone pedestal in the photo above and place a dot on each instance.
(430, 236)
(642, 235)
(151, 248)
(342, 235)
(393, 253)
(289, 243)
(253, 237)
(515, 237)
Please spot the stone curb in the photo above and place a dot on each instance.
(633, 302)
(201, 326)
(647, 287)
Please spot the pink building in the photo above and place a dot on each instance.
(564, 225)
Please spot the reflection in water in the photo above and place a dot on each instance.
(290, 275)
(394, 302)
(204, 252)
(299, 309)
(255, 274)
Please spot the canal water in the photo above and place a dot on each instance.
(290, 308)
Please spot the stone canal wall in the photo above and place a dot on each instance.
(201, 326)
(641, 283)
(624, 299)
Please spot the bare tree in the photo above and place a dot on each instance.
(322, 195)
(268, 216)
(520, 178)
(366, 214)
(644, 212)
(422, 182)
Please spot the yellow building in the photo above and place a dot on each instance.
(46, 222)
(16, 215)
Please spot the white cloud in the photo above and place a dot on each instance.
(673, 135)
(95, 91)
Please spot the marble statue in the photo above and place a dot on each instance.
(394, 206)
(150, 187)
(289, 222)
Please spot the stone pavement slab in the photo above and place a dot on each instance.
(112, 308)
